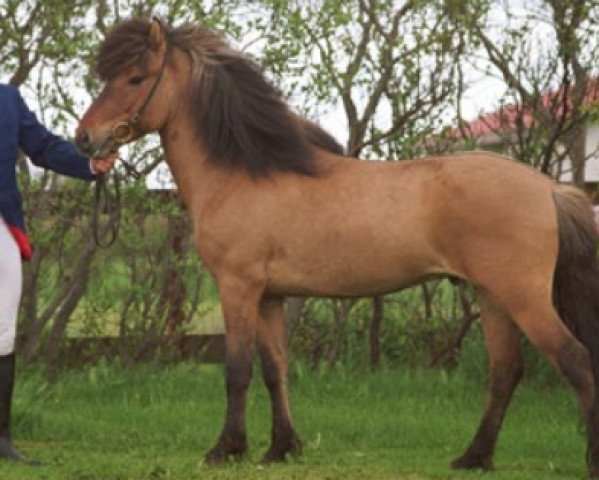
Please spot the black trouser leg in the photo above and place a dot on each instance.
(7, 381)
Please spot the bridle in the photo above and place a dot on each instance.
(121, 133)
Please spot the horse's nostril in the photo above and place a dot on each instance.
(83, 141)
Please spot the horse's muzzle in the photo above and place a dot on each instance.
(84, 142)
(98, 147)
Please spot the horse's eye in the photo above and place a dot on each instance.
(136, 80)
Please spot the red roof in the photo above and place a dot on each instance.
(511, 117)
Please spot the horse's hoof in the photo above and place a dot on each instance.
(220, 454)
(472, 462)
(23, 461)
(278, 451)
(31, 463)
(8, 452)
(214, 458)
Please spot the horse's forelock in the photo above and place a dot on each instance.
(124, 46)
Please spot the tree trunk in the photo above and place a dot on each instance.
(294, 307)
(61, 319)
(375, 332)
(341, 309)
(174, 289)
(578, 154)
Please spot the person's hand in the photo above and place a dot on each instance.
(103, 164)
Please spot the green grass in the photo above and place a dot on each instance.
(152, 422)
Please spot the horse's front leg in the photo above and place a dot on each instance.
(239, 301)
(272, 346)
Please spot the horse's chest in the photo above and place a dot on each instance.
(218, 249)
(208, 248)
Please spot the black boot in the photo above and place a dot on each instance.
(7, 381)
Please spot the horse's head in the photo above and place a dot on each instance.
(187, 74)
(136, 98)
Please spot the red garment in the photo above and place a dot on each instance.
(22, 241)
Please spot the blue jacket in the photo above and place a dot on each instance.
(19, 128)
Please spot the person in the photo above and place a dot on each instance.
(19, 128)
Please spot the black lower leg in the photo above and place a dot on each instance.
(232, 441)
(284, 438)
(7, 379)
(574, 363)
(479, 454)
(592, 426)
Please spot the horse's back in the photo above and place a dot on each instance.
(399, 222)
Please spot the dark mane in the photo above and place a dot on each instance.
(239, 116)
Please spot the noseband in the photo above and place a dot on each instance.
(123, 132)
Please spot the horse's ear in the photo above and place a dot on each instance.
(156, 34)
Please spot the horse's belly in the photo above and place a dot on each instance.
(370, 273)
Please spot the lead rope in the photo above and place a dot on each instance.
(110, 203)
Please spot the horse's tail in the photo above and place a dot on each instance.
(576, 282)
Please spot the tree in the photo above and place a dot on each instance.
(546, 53)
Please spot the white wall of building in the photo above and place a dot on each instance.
(591, 173)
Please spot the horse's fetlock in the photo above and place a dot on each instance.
(473, 461)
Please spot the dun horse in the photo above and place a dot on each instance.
(277, 210)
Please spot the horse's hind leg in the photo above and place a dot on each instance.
(547, 332)
(272, 347)
(505, 371)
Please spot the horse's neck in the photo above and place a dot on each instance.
(187, 162)
(198, 181)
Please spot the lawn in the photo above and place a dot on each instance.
(155, 422)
